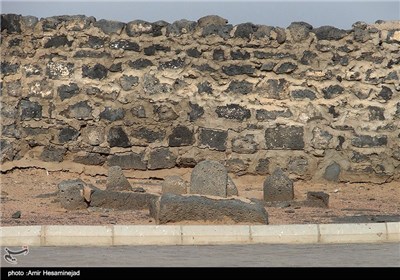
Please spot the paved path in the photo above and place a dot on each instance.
(262, 255)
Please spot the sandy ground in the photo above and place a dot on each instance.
(32, 191)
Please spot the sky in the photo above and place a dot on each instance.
(341, 14)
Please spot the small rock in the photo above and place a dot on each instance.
(16, 215)
(209, 178)
(278, 187)
(116, 180)
(318, 199)
(332, 172)
(70, 194)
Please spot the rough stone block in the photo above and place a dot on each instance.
(128, 161)
(233, 112)
(278, 187)
(213, 138)
(176, 208)
(161, 158)
(70, 194)
(118, 138)
(181, 136)
(245, 144)
(174, 184)
(121, 200)
(116, 180)
(53, 153)
(209, 178)
(318, 199)
(284, 137)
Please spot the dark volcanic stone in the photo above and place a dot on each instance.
(204, 87)
(362, 141)
(69, 194)
(303, 93)
(233, 112)
(95, 42)
(116, 67)
(221, 30)
(181, 136)
(376, 113)
(165, 113)
(182, 26)
(112, 114)
(245, 30)
(262, 166)
(118, 138)
(299, 30)
(178, 208)
(194, 52)
(213, 138)
(127, 82)
(30, 110)
(286, 68)
(329, 33)
(284, 137)
(240, 87)
(317, 199)
(233, 70)
(8, 68)
(11, 23)
(67, 134)
(91, 54)
(125, 45)
(307, 57)
(196, 111)
(121, 200)
(386, 93)
(278, 187)
(263, 114)
(53, 153)
(239, 55)
(332, 172)
(128, 161)
(161, 158)
(67, 91)
(90, 159)
(219, 55)
(209, 178)
(58, 41)
(331, 91)
(149, 135)
(109, 26)
(98, 71)
(80, 110)
(172, 64)
(244, 145)
(140, 63)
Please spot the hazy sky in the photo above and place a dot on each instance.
(276, 13)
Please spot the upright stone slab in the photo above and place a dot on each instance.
(174, 184)
(209, 178)
(116, 180)
(70, 194)
(278, 187)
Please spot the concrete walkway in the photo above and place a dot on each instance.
(255, 255)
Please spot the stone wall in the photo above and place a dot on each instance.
(321, 103)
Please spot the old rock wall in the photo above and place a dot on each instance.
(321, 103)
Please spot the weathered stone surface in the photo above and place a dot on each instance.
(8, 68)
(29, 21)
(298, 165)
(231, 189)
(112, 115)
(128, 161)
(136, 28)
(362, 141)
(193, 52)
(125, 45)
(245, 144)
(150, 136)
(386, 93)
(58, 41)
(116, 67)
(280, 35)
(308, 57)
(90, 159)
(177, 208)
(263, 114)
(93, 135)
(97, 72)
(213, 138)
(278, 187)
(140, 63)
(119, 200)
(116, 180)
(59, 70)
(172, 64)
(53, 153)
(233, 70)
(268, 67)
(303, 93)
(30, 110)
(318, 199)
(233, 112)
(332, 172)
(329, 33)
(117, 137)
(95, 42)
(181, 136)
(236, 165)
(182, 26)
(196, 111)
(161, 158)
(165, 113)
(321, 138)
(262, 166)
(109, 26)
(209, 178)
(13, 88)
(211, 20)
(240, 87)
(331, 91)
(284, 137)
(240, 55)
(219, 55)
(67, 134)
(6, 150)
(67, 91)
(220, 30)
(11, 23)
(139, 111)
(285, 68)
(70, 194)
(376, 113)
(127, 82)
(174, 184)
(299, 31)
(152, 85)
(204, 87)
(274, 88)
(79, 111)
(245, 30)
(16, 215)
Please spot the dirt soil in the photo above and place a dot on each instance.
(33, 192)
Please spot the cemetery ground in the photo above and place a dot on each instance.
(33, 192)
